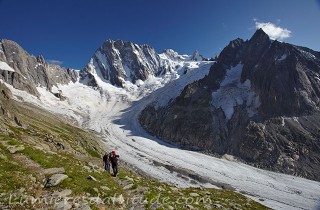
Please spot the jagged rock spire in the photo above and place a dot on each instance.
(40, 59)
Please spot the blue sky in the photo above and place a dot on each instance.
(69, 31)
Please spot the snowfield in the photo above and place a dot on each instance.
(4, 66)
(114, 112)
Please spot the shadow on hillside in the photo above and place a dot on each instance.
(129, 122)
(317, 207)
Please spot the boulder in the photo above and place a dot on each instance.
(84, 207)
(54, 171)
(105, 188)
(189, 206)
(14, 149)
(127, 187)
(63, 193)
(129, 179)
(55, 179)
(63, 205)
(194, 194)
(92, 178)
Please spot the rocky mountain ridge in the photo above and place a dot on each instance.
(28, 71)
(260, 103)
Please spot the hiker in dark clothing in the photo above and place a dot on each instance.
(114, 162)
(106, 161)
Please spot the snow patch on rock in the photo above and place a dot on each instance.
(4, 66)
(283, 57)
(234, 93)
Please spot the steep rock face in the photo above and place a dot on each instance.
(260, 102)
(29, 71)
(5, 101)
(120, 61)
(7, 111)
(288, 145)
(286, 78)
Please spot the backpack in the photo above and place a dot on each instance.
(114, 159)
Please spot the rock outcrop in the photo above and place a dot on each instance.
(260, 103)
(6, 104)
(28, 72)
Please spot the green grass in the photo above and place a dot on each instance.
(10, 140)
(93, 153)
(161, 196)
(45, 160)
(12, 175)
(122, 175)
(134, 186)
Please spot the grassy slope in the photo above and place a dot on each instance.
(21, 174)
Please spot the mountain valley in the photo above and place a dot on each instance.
(256, 104)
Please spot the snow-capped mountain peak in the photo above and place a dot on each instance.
(130, 66)
(196, 56)
(120, 61)
(173, 55)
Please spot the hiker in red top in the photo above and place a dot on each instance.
(114, 162)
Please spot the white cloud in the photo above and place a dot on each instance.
(274, 31)
(57, 62)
